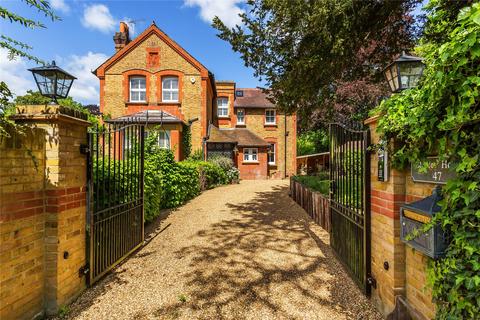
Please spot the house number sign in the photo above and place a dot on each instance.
(437, 172)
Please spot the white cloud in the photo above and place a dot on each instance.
(226, 10)
(85, 88)
(60, 5)
(15, 74)
(98, 16)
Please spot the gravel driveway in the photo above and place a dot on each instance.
(243, 251)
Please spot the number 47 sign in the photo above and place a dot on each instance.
(438, 172)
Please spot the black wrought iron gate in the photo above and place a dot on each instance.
(349, 204)
(115, 195)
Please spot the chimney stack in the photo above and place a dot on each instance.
(121, 38)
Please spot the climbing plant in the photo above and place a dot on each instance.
(442, 116)
(187, 140)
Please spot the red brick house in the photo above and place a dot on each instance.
(152, 77)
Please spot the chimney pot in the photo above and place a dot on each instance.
(122, 38)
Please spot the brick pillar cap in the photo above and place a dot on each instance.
(50, 112)
(372, 119)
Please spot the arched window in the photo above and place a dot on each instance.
(138, 89)
(170, 89)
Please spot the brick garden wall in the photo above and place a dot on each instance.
(405, 275)
(42, 214)
(22, 225)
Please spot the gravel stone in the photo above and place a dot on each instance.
(244, 251)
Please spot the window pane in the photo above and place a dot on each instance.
(174, 83)
(143, 96)
(142, 84)
(174, 96)
(134, 95)
(166, 96)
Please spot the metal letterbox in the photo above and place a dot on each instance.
(414, 216)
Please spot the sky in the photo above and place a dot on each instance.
(83, 39)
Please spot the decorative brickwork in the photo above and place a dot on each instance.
(195, 89)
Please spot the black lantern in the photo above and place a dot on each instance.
(404, 72)
(53, 81)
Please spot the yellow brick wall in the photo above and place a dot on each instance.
(36, 226)
(22, 225)
(407, 268)
(418, 294)
(191, 104)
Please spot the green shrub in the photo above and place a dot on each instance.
(311, 142)
(168, 184)
(223, 162)
(315, 183)
(197, 155)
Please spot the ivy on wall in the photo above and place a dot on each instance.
(442, 116)
(186, 141)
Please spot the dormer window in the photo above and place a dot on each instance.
(239, 93)
(170, 89)
(138, 89)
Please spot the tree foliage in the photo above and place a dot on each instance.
(312, 141)
(18, 49)
(316, 55)
(442, 116)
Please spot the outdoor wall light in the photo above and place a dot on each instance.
(53, 81)
(404, 72)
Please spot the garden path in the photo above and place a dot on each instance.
(243, 251)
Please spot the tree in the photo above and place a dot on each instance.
(322, 57)
(19, 49)
(442, 116)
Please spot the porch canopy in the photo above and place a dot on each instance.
(154, 117)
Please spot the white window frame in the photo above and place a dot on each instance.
(139, 90)
(269, 116)
(164, 139)
(170, 91)
(243, 117)
(250, 155)
(274, 149)
(223, 107)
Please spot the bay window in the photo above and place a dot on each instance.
(164, 139)
(250, 155)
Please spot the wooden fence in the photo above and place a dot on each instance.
(314, 203)
(313, 163)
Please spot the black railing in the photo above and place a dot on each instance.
(115, 195)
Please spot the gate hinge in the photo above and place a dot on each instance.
(84, 149)
(372, 282)
(84, 270)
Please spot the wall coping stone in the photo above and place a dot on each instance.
(50, 112)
